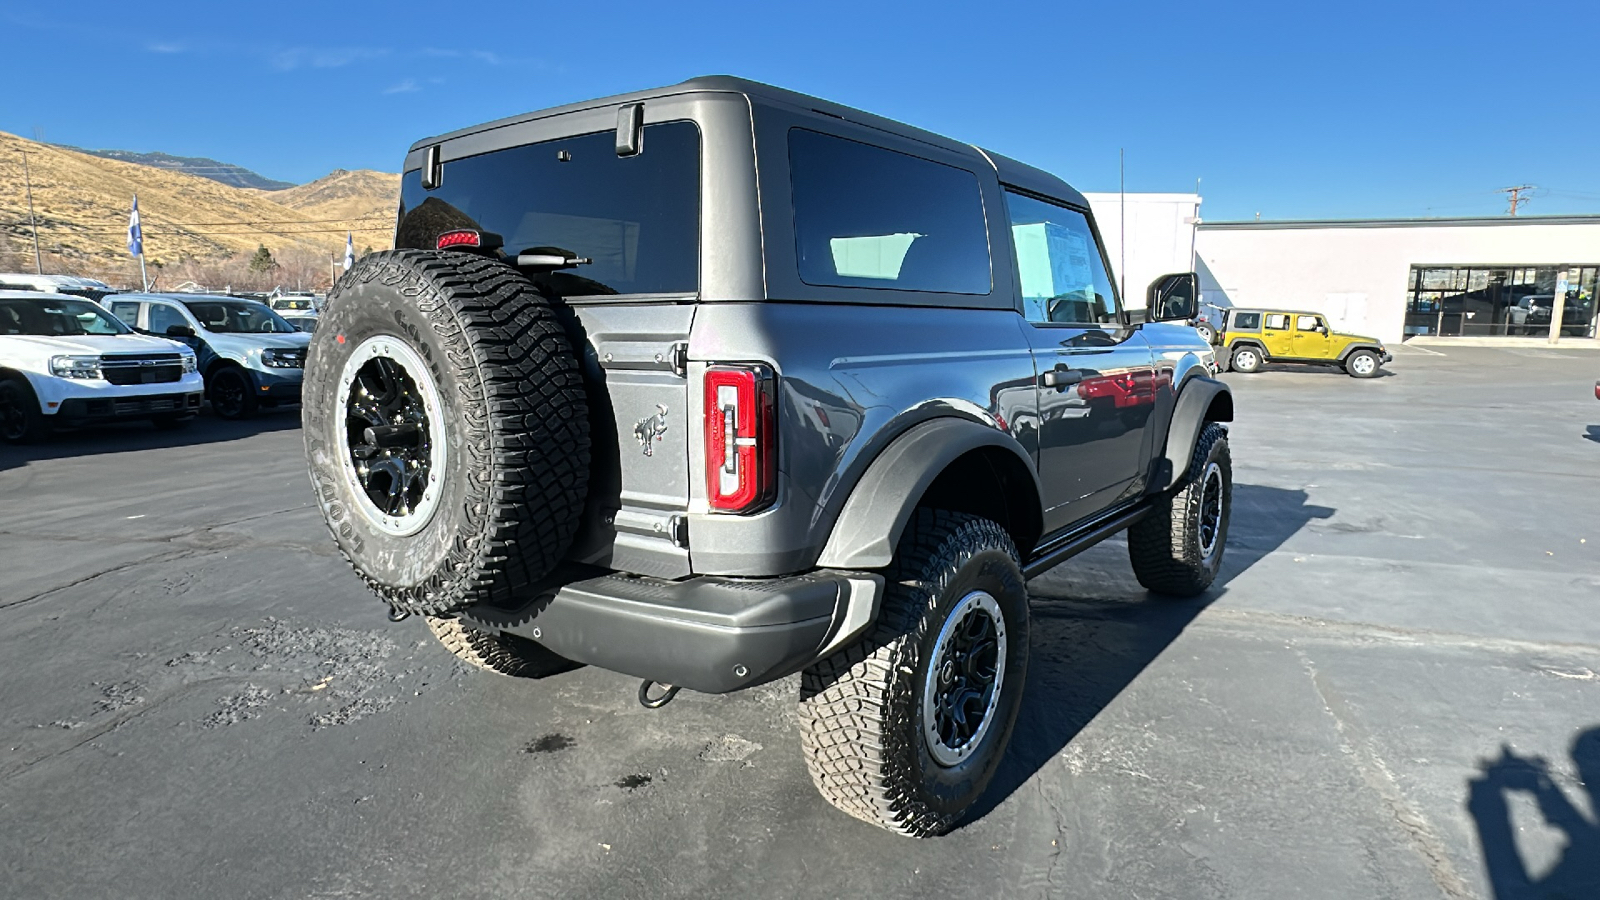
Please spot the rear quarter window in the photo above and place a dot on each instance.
(1246, 322)
(869, 217)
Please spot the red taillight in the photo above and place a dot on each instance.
(741, 438)
(462, 238)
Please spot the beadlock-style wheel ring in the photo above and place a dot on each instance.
(965, 675)
(392, 434)
(1210, 510)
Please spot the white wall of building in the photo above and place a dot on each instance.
(1358, 273)
(1160, 237)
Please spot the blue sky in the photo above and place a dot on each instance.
(1289, 109)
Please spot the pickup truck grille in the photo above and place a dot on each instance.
(154, 368)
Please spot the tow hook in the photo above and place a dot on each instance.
(648, 702)
(396, 614)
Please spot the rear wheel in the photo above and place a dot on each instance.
(21, 422)
(506, 654)
(1206, 334)
(1362, 364)
(446, 429)
(1177, 549)
(1246, 360)
(231, 394)
(906, 728)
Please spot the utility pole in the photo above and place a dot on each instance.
(27, 179)
(1516, 195)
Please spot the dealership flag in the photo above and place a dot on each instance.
(135, 236)
(349, 251)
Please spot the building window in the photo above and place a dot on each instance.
(1500, 300)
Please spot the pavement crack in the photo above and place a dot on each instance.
(1357, 744)
(160, 558)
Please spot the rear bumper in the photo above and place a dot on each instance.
(707, 634)
(138, 406)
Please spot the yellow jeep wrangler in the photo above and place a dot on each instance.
(1251, 338)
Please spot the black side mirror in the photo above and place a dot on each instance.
(180, 331)
(1173, 297)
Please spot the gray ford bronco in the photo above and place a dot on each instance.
(718, 383)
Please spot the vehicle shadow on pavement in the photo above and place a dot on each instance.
(123, 437)
(1095, 630)
(1593, 433)
(1576, 873)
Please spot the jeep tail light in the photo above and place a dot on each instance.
(462, 238)
(741, 438)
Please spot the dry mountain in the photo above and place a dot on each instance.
(81, 205)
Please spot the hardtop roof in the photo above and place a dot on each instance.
(1010, 171)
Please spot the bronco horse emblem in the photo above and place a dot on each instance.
(650, 430)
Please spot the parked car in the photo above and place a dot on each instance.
(719, 383)
(1252, 338)
(284, 303)
(249, 355)
(1533, 312)
(301, 321)
(70, 285)
(65, 361)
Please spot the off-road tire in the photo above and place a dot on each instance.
(21, 421)
(1165, 546)
(1351, 367)
(861, 710)
(1251, 360)
(1205, 332)
(223, 386)
(507, 654)
(514, 428)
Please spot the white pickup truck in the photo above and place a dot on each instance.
(65, 360)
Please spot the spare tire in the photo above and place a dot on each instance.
(446, 429)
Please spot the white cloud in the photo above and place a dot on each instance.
(294, 58)
(405, 87)
(164, 47)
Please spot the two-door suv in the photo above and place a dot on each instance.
(1251, 338)
(717, 383)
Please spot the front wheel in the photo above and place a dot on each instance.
(1176, 550)
(1246, 360)
(230, 394)
(905, 729)
(21, 422)
(1362, 364)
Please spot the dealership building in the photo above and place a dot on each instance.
(1389, 278)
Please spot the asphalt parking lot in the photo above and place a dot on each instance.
(1394, 692)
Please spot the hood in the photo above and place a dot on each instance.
(1358, 338)
(93, 344)
(297, 340)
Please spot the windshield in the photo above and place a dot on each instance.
(238, 317)
(55, 316)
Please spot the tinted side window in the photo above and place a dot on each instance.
(163, 316)
(1246, 322)
(869, 217)
(1059, 267)
(637, 217)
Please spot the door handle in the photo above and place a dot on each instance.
(1061, 378)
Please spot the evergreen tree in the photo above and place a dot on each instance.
(262, 261)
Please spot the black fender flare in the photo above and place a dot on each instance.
(1345, 353)
(1253, 344)
(875, 515)
(1202, 399)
